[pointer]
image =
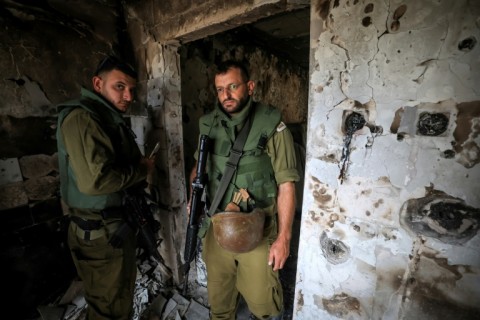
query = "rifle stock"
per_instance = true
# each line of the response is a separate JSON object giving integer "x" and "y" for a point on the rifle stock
{"x": 196, "y": 209}
{"x": 138, "y": 216}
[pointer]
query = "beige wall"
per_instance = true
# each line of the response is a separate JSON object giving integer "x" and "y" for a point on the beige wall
{"x": 391, "y": 232}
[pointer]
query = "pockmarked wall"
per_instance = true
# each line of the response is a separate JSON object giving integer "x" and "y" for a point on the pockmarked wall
{"x": 391, "y": 206}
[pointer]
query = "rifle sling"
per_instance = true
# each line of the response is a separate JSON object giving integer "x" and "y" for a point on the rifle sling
{"x": 235, "y": 155}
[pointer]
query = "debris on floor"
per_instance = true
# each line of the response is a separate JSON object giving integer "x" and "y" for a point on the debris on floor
{"x": 152, "y": 300}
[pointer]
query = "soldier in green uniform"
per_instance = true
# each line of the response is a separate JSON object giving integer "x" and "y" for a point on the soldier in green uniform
{"x": 98, "y": 159}
{"x": 267, "y": 173}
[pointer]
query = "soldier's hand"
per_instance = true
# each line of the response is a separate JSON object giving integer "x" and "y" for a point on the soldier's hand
{"x": 149, "y": 163}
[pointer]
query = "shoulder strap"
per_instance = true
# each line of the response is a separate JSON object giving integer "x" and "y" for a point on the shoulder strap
{"x": 231, "y": 166}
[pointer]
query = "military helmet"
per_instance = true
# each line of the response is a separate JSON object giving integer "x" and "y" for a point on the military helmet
{"x": 239, "y": 232}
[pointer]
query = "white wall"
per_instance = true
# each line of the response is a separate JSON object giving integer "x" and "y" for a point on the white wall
{"x": 372, "y": 244}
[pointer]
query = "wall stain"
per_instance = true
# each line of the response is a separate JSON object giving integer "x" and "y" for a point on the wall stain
{"x": 342, "y": 306}
{"x": 366, "y": 21}
{"x": 397, "y": 14}
{"x": 466, "y": 133}
{"x": 322, "y": 7}
{"x": 313, "y": 216}
{"x": 368, "y": 8}
{"x": 467, "y": 44}
{"x": 431, "y": 288}
{"x": 300, "y": 301}
{"x": 378, "y": 203}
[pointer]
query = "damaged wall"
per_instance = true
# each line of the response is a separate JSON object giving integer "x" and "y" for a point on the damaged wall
{"x": 48, "y": 50}
{"x": 391, "y": 201}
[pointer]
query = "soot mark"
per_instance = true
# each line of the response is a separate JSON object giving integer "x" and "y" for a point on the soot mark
{"x": 368, "y": 8}
{"x": 467, "y": 44}
{"x": 354, "y": 122}
{"x": 397, "y": 14}
{"x": 366, "y": 21}
{"x": 442, "y": 217}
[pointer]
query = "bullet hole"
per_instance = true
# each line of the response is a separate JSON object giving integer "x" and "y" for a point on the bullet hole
{"x": 368, "y": 213}
{"x": 366, "y": 21}
{"x": 19, "y": 82}
{"x": 467, "y": 44}
{"x": 398, "y": 51}
{"x": 442, "y": 217}
{"x": 356, "y": 228}
{"x": 448, "y": 154}
{"x": 432, "y": 124}
{"x": 336, "y": 3}
{"x": 335, "y": 251}
{"x": 354, "y": 121}
{"x": 399, "y": 12}
{"x": 368, "y": 8}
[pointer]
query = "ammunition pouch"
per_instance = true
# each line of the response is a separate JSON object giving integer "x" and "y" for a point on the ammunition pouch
{"x": 239, "y": 232}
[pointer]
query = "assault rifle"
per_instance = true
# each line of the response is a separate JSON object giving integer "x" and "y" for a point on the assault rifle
{"x": 138, "y": 216}
{"x": 196, "y": 208}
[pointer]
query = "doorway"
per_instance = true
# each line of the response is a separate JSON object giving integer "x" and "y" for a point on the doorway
{"x": 276, "y": 51}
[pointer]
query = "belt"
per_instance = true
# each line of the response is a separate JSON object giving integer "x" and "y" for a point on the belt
{"x": 88, "y": 229}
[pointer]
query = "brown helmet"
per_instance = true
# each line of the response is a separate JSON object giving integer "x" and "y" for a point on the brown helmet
{"x": 239, "y": 232}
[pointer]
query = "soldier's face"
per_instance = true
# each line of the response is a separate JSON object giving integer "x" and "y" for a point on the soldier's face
{"x": 117, "y": 87}
{"x": 233, "y": 90}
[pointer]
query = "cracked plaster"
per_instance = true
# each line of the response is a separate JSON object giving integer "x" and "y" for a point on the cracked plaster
{"x": 392, "y": 54}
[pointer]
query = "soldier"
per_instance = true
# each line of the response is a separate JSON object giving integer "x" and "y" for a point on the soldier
{"x": 249, "y": 239}
{"x": 98, "y": 159}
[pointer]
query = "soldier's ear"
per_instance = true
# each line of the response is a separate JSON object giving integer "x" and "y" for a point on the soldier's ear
{"x": 251, "y": 87}
{"x": 97, "y": 83}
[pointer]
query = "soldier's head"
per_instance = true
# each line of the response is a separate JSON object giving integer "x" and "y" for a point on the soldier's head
{"x": 115, "y": 80}
{"x": 233, "y": 86}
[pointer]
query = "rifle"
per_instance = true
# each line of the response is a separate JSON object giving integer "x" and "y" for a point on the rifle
{"x": 196, "y": 210}
{"x": 139, "y": 217}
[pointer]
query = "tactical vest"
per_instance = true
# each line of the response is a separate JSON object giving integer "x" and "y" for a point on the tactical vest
{"x": 254, "y": 171}
{"x": 123, "y": 141}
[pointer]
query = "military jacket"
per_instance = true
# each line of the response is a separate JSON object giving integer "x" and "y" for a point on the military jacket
{"x": 254, "y": 171}
{"x": 98, "y": 155}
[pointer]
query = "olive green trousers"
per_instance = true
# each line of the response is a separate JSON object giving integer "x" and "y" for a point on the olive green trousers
{"x": 108, "y": 274}
{"x": 230, "y": 274}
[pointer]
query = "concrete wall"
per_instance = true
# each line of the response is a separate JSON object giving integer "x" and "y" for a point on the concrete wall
{"x": 48, "y": 51}
{"x": 391, "y": 200}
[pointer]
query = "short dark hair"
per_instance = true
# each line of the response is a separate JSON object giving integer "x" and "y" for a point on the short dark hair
{"x": 224, "y": 66}
{"x": 110, "y": 63}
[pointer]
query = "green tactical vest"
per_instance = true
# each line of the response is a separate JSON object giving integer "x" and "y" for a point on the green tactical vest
{"x": 121, "y": 136}
{"x": 254, "y": 171}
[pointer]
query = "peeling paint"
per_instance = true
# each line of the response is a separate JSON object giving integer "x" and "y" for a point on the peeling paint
{"x": 467, "y": 133}
{"x": 342, "y": 306}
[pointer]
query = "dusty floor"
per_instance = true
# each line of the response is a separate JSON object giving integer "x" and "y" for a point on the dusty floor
{"x": 150, "y": 287}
